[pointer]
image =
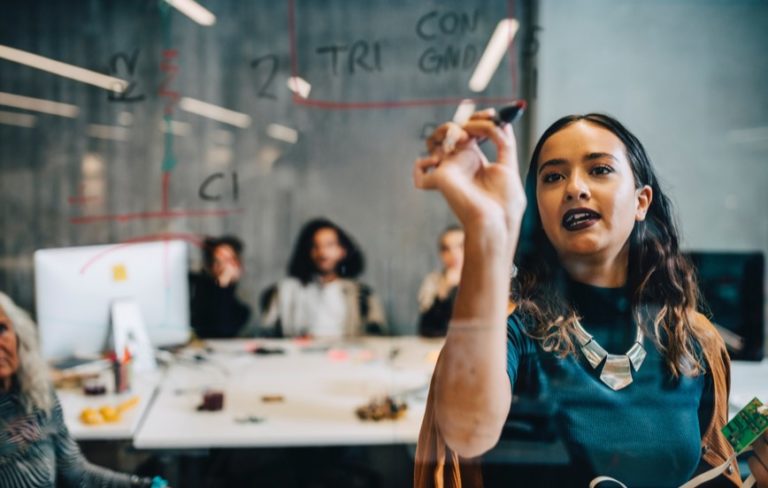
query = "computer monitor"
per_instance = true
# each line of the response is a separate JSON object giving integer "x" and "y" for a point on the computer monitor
{"x": 732, "y": 285}
{"x": 75, "y": 288}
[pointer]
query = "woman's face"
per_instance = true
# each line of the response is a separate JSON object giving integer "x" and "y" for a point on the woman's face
{"x": 586, "y": 193}
{"x": 223, "y": 257}
{"x": 326, "y": 250}
{"x": 452, "y": 249}
{"x": 9, "y": 358}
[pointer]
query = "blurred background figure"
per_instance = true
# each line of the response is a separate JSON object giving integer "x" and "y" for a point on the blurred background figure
{"x": 35, "y": 446}
{"x": 438, "y": 289}
{"x": 321, "y": 296}
{"x": 216, "y": 311}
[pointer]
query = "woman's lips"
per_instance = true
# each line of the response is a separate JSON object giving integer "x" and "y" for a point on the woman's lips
{"x": 579, "y": 218}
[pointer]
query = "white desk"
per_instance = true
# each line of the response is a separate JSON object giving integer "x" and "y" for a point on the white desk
{"x": 74, "y": 401}
{"x": 748, "y": 380}
{"x": 321, "y": 391}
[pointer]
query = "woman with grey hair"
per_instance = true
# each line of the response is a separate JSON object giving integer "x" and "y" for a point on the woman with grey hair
{"x": 35, "y": 446}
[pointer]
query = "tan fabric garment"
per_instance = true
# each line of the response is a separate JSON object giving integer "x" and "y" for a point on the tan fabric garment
{"x": 286, "y": 301}
{"x": 436, "y": 466}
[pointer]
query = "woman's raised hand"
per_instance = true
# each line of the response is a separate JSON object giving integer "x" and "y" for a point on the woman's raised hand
{"x": 480, "y": 193}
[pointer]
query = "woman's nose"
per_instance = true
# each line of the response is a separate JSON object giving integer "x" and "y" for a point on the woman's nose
{"x": 577, "y": 188}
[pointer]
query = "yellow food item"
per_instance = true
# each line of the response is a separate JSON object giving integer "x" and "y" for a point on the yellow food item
{"x": 128, "y": 404}
{"x": 107, "y": 413}
{"x": 91, "y": 416}
{"x": 110, "y": 414}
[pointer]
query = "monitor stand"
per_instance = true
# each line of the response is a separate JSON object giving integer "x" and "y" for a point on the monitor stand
{"x": 130, "y": 332}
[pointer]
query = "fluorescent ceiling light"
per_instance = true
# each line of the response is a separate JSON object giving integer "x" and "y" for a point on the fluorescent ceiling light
{"x": 194, "y": 11}
{"x": 175, "y": 127}
{"x": 111, "y": 132}
{"x": 39, "y": 105}
{"x": 465, "y": 109}
{"x": 282, "y": 133}
{"x": 215, "y": 112}
{"x": 15, "y": 118}
{"x": 63, "y": 69}
{"x": 493, "y": 54}
{"x": 299, "y": 86}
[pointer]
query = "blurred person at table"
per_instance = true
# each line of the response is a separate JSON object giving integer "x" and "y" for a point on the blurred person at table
{"x": 36, "y": 448}
{"x": 216, "y": 310}
{"x": 438, "y": 289}
{"x": 322, "y": 296}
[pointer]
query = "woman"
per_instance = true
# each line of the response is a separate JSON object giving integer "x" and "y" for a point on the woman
{"x": 216, "y": 311}
{"x": 35, "y": 446}
{"x": 599, "y": 274}
{"x": 321, "y": 296}
{"x": 438, "y": 289}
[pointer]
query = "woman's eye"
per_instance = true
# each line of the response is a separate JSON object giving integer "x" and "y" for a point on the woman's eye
{"x": 602, "y": 170}
{"x": 551, "y": 177}
{"x": 3, "y": 327}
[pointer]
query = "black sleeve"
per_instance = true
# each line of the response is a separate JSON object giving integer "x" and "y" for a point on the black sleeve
{"x": 433, "y": 322}
{"x": 370, "y": 311}
{"x": 216, "y": 312}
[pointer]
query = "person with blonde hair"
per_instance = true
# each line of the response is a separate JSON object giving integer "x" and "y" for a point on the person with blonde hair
{"x": 438, "y": 289}
{"x": 36, "y": 449}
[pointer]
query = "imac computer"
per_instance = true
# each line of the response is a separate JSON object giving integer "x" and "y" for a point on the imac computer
{"x": 76, "y": 288}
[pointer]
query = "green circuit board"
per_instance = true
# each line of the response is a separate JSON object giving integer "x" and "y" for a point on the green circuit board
{"x": 747, "y": 425}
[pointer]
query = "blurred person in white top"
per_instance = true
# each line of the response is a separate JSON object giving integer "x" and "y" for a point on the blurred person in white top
{"x": 322, "y": 297}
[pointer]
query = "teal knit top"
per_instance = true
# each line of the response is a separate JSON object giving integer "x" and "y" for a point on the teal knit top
{"x": 645, "y": 435}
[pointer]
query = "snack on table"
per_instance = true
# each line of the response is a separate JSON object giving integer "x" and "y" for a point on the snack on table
{"x": 382, "y": 408}
{"x": 107, "y": 413}
{"x": 128, "y": 404}
{"x": 91, "y": 416}
{"x": 272, "y": 398}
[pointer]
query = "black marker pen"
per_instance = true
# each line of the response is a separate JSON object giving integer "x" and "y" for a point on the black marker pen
{"x": 509, "y": 113}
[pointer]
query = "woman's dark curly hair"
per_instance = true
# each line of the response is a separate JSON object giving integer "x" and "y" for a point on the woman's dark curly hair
{"x": 660, "y": 280}
{"x": 303, "y": 268}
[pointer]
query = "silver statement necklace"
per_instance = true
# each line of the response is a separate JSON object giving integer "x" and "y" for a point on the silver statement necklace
{"x": 617, "y": 371}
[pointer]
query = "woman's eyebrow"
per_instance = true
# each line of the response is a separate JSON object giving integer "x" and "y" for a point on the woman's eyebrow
{"x": 551, "y": 162}
{"x": 600, "y": 155}
{"x": 588, "y": 157}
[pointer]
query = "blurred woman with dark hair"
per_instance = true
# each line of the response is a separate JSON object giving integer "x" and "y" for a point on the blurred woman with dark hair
{"x": 216, "y": 310}
{"x": 321, "y": 295}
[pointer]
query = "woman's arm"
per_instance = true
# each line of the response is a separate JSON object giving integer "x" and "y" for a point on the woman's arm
{"x": 73, "y": 470}
{"x": 758, "y": 463}
{"x": 472, "y": 389}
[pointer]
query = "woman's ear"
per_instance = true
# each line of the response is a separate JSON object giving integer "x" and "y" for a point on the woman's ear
{"x": 644, "y": 196}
